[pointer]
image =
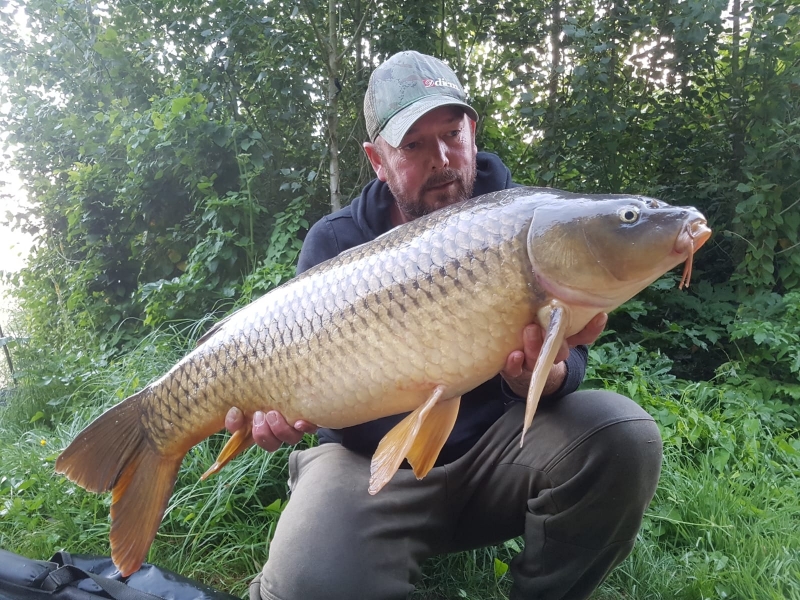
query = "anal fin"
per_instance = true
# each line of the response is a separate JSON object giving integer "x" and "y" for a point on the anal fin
{"x": 418, "y": 437}
{"x": 240, "y": 441}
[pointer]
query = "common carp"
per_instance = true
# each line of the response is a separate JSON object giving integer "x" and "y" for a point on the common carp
{"x": 407, "y": 322}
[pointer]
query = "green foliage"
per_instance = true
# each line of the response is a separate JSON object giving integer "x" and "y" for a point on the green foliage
{"x": 153, "y": 196}
{"x": 161, "y": 162}
{"x": 767, "y": 336}
{"x": 284, "y": 248}
{"x": 709, "y": 332}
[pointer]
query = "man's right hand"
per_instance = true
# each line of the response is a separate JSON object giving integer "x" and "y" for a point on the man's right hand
{"x": 270, "y": 429}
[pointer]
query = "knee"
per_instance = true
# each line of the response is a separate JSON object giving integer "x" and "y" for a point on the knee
{"x": 629, "y": 454}
{"x": 628, "y": 462}
{"x": 610, "y": 477}
{"x": 622, "y": 451}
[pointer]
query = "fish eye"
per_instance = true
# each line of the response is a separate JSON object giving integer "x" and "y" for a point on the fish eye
{"x": 629, "y": 214}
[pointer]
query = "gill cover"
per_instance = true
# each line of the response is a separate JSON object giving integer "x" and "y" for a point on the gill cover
{"x": 604, "y": 246}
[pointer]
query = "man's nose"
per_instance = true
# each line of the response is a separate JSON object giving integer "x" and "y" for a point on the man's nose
{"x": 439, "y": 158}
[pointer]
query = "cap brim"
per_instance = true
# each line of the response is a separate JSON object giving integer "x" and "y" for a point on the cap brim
{"x": 398, "y": 125}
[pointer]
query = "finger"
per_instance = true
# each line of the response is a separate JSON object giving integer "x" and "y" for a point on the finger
{"x": 602, "y": 321}
{"x": 514, "y": 364}
{"x": 305, "y": 426}
{"x": 262, "y": 433}
{"x": 590, "y": 333}
{"x": 596, "y": 326}
{"x": 563, "y": 352}
{"x": 234, "y": 420}
{"x": 281, "y": 429}
{"x": 532, "y": 337}
{"x": 534, "y": 340}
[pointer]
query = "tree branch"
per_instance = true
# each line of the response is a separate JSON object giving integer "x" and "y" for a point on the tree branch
{"x": 357, "y": 32}
{"x": 320, "y": 39}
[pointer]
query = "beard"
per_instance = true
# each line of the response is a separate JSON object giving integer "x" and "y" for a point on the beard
{"x": 416, "y": 206}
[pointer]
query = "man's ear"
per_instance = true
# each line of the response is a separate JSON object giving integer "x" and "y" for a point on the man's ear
{"x": 375, "y": 159}
{"x": 472, "y": 126}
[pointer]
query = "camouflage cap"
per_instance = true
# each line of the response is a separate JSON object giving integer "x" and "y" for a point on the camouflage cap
{"x": 404, "y": 88}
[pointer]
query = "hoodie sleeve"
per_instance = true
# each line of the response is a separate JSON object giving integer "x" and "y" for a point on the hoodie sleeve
{"x": 320, "y": 245}
{"x": 576, "y": 371}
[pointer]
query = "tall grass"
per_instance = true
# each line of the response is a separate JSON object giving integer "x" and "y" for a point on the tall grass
{"x": 725, "y": 521}
{"x": 216, "y": 531}
{"x": 710, "y": 536}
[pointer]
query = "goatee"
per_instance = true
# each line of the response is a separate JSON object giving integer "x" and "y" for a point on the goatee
{"x": 417, "y": 207}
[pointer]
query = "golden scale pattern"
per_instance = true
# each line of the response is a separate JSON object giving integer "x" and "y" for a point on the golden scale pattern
{"x": 398, "y": 307}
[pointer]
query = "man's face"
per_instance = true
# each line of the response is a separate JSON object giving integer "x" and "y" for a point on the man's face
{"x": 433, "y": 167}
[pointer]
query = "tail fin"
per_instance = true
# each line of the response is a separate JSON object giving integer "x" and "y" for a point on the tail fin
{"x": 115, "y": 453}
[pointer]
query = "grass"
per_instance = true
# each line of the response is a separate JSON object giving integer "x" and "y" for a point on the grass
{"x": 709, "y": 536}
{"x": 725, "y": 522}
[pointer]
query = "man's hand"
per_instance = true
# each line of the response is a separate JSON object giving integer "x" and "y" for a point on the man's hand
{"x": 520, "y": 363}
{"x": 270, "y": 430}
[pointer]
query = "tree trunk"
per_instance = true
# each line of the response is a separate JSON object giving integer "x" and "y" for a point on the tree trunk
{"x": 333, "y": 106}
{"x": 737, "y": 92}
{"x": 8, "y": 356}
{"x": 615, "y": 180}
{"x": 555, "y": 65}
{"x": 329, "y": 48}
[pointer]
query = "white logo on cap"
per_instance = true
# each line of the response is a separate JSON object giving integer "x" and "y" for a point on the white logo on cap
{"x": 440, "y": 83}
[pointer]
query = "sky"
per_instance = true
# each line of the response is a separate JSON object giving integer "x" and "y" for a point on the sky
{"x": 14, "y": 245}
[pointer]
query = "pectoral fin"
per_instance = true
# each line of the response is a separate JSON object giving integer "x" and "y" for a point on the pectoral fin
{"x": 554, "y": 318}
{"x": 419, "y": 437}
{"x": 240, "y": 441}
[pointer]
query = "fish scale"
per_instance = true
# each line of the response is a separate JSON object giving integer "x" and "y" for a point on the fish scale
{"x": 362, "y": 326}
{"x": 406, "y": 323}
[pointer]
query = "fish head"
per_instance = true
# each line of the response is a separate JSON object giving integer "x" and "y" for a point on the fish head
{"x": 602, "y": 251}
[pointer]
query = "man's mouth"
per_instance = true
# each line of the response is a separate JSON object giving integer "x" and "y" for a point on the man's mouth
{"x": 439, "y": 185}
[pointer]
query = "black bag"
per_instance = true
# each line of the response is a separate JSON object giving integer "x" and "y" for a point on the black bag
{"x": 82, "y": 577}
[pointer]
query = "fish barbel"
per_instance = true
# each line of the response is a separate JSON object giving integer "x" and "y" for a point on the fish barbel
{"x": 407, "y": 322}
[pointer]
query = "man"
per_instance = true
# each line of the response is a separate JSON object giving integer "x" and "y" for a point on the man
{"x": 576, "y": 491}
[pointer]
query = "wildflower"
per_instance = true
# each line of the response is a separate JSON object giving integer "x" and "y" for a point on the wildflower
{"x": 43, "y": 442}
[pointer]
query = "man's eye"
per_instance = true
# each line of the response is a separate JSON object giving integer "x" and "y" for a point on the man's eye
{"x": 410, "y": 145}
{"x": 455, "y": 133}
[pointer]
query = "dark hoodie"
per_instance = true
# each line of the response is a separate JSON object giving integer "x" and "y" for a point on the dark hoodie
{"x": 364, "y": 219}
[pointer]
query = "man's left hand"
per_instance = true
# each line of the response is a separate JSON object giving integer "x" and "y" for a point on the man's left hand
{"x": 520, "y": 363}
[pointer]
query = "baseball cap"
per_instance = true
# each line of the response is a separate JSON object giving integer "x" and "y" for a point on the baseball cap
{"x": 404, "y": 88}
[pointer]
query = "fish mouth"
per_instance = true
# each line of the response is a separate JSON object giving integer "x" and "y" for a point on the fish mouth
{"x": 691, "y": 238}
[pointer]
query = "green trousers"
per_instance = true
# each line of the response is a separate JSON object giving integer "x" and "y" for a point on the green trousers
{"x": 576, "y": 491}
